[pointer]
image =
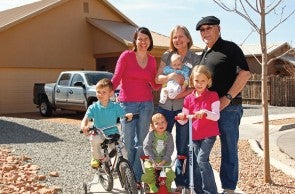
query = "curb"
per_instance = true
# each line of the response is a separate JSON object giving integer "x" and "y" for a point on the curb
{"x": 255, "y": 146}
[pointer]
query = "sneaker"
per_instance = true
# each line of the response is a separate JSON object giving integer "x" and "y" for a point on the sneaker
{"x": 95, "y": 163}
{"x": 138, "y": 185}
{"x": 178, "y": 189}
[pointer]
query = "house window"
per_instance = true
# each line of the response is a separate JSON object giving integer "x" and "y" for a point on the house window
{"x": 86, "y": 7}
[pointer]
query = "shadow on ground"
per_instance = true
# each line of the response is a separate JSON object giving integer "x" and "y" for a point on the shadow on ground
{"x": 14, "y": 133}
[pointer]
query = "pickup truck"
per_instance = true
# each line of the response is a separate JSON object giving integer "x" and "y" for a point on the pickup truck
{"x": 73, "y": 90}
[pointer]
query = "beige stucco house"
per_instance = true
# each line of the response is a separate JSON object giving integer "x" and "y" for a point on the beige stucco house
{"x": 41, "y": 39}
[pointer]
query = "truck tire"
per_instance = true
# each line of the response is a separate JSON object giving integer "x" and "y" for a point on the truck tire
{"x": 45, "y": 108}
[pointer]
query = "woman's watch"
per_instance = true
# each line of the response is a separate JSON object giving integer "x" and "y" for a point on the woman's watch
{"x": 228, "y": 96}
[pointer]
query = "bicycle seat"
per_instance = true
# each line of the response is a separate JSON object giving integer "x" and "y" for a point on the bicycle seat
{"x": 110, "y": 139}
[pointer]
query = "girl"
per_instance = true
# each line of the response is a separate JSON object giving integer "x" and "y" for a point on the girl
{"x": 204, "y": 105}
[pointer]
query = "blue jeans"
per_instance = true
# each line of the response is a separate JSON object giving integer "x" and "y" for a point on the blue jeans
{"x": 182, "y": 138}
{"x": 204, "y": 181}
{"x": 229, "y": 122}
{"x": 135, "y": 131}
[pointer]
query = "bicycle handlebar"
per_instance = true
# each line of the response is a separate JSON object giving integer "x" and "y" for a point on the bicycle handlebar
{"x": 100, "y": 129}
{"x": 134, "y": 116}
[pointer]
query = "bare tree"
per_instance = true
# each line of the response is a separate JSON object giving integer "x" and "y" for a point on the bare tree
{"x": 243, "y": 8}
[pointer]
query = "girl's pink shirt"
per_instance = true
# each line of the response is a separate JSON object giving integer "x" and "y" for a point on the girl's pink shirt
{"x": 136, "y": 82}
{"x": 203, "y": 128}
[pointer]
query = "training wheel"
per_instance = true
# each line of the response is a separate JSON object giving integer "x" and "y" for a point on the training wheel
{"x": 85, "y": 187}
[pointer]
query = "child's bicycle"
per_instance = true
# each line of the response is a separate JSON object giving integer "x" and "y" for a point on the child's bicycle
{"x": 160, "y": 175}
{"x": 114, "y": 164}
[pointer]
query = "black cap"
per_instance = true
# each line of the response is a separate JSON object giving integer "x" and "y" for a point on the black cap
{"x": 209, "y": 20}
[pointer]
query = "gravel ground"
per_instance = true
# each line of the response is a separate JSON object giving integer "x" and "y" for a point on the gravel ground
{"x": 53, "y": 146}
{"x": 59, "y": 147}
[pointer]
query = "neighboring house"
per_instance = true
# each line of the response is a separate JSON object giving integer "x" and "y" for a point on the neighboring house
{"x": 280, "y": 75}
{"x": 276, "y": 67}
{"x": 41, "y": 39}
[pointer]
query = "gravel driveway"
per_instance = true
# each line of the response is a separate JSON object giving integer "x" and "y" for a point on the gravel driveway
{"x": 53, "y": 146}
{"x": 59, "y": 147}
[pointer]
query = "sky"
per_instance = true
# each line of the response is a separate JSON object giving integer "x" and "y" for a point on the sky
{"x": 161, "y": 16}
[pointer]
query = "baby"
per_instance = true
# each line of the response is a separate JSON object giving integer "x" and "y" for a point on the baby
{"x": 173, "y": 88}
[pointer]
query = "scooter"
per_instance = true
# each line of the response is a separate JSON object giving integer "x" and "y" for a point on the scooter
{"x": 191, "y": 152}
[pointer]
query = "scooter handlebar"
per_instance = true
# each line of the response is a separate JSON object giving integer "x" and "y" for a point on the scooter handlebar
{"x": 185, "y": 117}
{"x": 178, "y": 118}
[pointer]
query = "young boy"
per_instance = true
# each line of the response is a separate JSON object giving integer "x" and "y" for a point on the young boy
{"x": 159, "y": 146}
{"x": 173, "y": 88}
{"x": 104, "y": 114}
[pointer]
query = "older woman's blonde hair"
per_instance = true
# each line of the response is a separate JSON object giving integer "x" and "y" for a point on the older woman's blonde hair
{"x": 200, "y": 69}
{"x": 187, "y": 34}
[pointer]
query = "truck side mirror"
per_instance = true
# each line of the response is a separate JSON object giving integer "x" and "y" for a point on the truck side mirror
{"x": 79, "y": 84}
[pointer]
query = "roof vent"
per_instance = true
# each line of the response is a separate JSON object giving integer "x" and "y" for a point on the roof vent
{"x": 86, "y": 7}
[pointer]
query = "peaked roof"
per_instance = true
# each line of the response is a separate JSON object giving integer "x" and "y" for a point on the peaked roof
{"x": 11, "y": 17}
{"x": 255, "y": 49}
{"x": 123, "y": 32}
{"x": 289, "y": 59}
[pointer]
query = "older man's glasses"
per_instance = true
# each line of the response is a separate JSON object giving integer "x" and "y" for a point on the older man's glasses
{"x": 209, "y": 28}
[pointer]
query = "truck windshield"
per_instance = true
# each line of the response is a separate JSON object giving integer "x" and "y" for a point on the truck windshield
{"x": 93, "y": 78}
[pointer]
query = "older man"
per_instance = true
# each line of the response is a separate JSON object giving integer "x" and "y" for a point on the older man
{"x": 230, "y": 74}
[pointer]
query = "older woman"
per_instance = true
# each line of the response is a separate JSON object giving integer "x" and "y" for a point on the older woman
{"x": 180, "y": 43}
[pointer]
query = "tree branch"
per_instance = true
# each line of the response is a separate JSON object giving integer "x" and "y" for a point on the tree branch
{"x": 272, "y": 8}
{"x": 281, "y": 21}
{"x": 291, "y": 50}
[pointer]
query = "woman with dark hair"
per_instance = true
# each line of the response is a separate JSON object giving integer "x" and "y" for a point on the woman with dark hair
{"x": 135, "y": 72}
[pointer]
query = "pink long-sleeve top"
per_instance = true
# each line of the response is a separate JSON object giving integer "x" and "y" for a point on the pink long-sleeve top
{"x": 208, "y": 125}
{"x": 136, "y": 82}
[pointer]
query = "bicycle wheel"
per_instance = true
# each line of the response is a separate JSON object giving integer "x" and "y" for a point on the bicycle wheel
{"x": 128, "y": 179}
{"x": 105, "y": 177}
{"x": 85, "y": 188}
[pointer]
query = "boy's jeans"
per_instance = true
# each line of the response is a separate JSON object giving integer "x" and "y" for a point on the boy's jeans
{"x": 135, "y": 131}
{"x": 229, "y": 122}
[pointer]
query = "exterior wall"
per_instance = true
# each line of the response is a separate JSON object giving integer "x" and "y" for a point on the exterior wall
{"x": 254, "y": 66}
{"x": 38, "y": 49}
{"x": 17, "y": 87}
{"x": 103, "y": 43}
{"x": 58, "y": 38}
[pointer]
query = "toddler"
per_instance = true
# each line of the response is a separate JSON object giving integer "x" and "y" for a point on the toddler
{"x": 159, "y": 146}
